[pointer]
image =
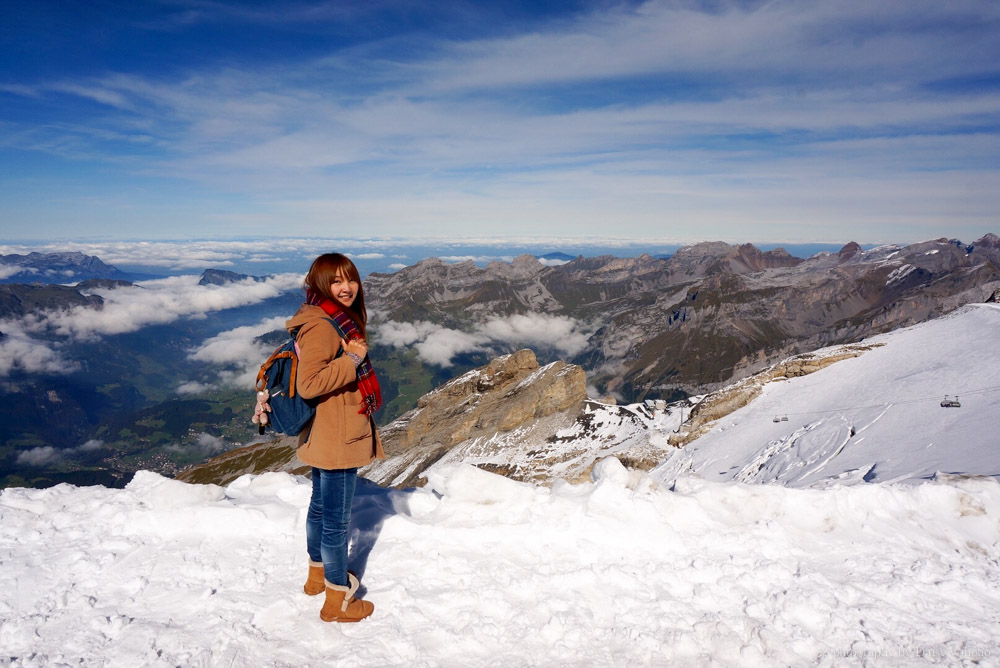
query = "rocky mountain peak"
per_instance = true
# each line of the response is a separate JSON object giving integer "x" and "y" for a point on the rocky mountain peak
{"x": 702, "y": 249}
{"x": 221, "y": 277}
{"x": 988, "y": 240}
{"x": 526, "y": 261}
{"x": 748, "y": 258}
{"x": 849, "y": 250}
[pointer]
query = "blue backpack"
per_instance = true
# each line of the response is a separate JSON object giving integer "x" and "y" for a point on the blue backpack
{"x": 288, "y": 412}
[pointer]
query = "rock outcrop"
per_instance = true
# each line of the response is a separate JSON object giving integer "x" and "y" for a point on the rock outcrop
{"x": 528, "y": 422}
{"x": 511, "y": 392}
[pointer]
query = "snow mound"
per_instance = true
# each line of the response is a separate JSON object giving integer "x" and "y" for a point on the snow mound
{"x": 479, "y": 570}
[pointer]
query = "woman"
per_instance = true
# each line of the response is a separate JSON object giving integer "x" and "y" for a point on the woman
{"x": 334, "y": 370}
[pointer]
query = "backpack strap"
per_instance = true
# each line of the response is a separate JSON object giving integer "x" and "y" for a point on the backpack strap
{"x": 261, "y": 383}
{"x": 276, "y": 355}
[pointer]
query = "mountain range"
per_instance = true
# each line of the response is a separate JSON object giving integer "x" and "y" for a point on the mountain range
{"x": 62, "y": 268}
{"x": 710, "y": 314}
{"x": 91, "y": 400}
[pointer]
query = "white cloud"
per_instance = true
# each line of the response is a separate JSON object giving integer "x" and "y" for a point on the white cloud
{"x": 210, "y": 444}
{"x": 237, "y": 354}
{"x": 46, "y": 454}
{"x": 236, "y": 346}
{"x": 205, "y": 444}
{"x": 399, "y": 334}
{"x": 439, "y": 345}
{"x": 396, "y": 266}
{"x": 192, "y": 387}
{"x": 39, "y": 456}
{"x": 434, "y": 344}
{"x": 20, "y": 351}
{"x": 8, "y": 270}
{"x": 128, "y": 309}
{"x": 551, "y": 262}
{"x": 565, "y": 334}
{"x": 369, "y": 256}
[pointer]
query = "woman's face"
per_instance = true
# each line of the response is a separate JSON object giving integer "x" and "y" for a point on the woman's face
{"x": 344, "y": 290}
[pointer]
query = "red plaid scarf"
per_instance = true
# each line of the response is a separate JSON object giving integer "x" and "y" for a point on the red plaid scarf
{"x": 367, "y": 381}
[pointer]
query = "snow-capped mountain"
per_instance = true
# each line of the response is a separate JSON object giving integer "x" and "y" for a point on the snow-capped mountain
{"x": 876, "y": 417}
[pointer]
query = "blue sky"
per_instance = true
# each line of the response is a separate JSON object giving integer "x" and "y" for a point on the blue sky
{"x": 676, "y": 120}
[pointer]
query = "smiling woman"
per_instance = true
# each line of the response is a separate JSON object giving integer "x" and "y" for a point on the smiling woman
{"x": 334, "y": 371}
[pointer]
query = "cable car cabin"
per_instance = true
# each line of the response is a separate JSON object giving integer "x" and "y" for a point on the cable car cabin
{"x": 949, "y": 402}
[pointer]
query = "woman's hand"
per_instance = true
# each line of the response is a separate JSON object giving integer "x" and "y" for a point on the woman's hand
{"x": 357, "y": 346}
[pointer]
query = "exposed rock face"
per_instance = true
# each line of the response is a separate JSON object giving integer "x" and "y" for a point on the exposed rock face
{"x": 528, "y": 423}
{"x": 274, "y": 455}
{"x": 18, "y": 300}
{"x": 707, "y": 316}
{"x": 511, "y": 391}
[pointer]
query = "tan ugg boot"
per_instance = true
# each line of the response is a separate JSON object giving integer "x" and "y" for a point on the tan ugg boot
{"x": 316, "y": 583}
{"x": 340, "y": 604}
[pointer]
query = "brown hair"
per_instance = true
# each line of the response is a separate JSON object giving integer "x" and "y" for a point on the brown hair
{"x": 321, "y": 275}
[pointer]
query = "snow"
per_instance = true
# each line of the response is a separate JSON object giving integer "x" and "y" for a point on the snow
{"x": 874, "y": 548}
{"x": 479, "y": 570}
{"x": 872, "y": 418}
{"x": 899, "y": 273}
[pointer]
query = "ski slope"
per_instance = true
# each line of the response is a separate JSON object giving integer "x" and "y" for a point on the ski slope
{"x": 872, "y": 418}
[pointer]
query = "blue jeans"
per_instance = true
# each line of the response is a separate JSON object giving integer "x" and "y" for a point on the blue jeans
{"x": 328, "y": 519}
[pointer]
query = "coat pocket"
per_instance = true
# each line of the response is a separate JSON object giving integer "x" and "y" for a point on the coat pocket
{"x": 357, "y": 426}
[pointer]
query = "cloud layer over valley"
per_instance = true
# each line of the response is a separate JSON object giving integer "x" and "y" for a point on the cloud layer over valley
{"x": 35, "y": 342}
{"x": 438, "y": 345}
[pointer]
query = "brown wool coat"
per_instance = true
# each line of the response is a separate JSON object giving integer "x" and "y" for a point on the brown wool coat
{"x": 338, "y": 437}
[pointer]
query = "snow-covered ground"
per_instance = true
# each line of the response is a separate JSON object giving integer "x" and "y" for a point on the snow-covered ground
{"x": 695, "y": 563}
{"x": 479, "y": 570}
{"x": 872, "y": 418}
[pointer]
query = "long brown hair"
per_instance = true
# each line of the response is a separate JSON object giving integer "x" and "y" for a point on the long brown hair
{"x": 321, "y": 275}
